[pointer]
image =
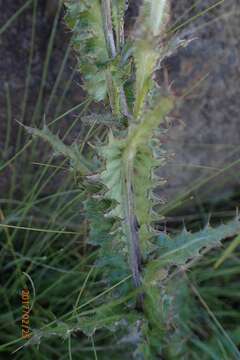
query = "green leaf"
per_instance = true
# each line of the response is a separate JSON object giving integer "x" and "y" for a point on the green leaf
{"x": 85, "y": 20}
{"x": 188, "y": 246}
{"x": 148, "y": 49}
{"x": 118, "y": 11}
{"x": 77, "y": 162}
{"x": 135, "y": 152}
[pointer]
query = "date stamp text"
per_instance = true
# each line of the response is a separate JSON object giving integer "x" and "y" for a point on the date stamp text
{"x": 26, "y": 334}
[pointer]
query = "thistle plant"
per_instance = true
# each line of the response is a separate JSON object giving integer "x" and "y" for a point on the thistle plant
{"x": 119, "y": 176}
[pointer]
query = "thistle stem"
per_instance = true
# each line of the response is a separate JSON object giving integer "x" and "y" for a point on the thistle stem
{"x": 131, "y": 226}
{"x": 110, "y": 42}
{"x": 108, "y": 28}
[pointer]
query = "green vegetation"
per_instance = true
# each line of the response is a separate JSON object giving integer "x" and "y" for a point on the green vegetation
{"x": 104, "y": 282}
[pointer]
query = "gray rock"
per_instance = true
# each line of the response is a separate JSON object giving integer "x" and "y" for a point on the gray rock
{"x": 207, "y": 138}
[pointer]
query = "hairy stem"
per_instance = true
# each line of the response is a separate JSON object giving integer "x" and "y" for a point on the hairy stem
{"x": 110, "y": 42}
{"x": 108, "y": 28}
{"x": 131, "y": 224}
{"x": 136, "y": 138}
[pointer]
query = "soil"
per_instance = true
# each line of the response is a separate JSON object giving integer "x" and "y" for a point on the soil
{"x": 205, "y": 130}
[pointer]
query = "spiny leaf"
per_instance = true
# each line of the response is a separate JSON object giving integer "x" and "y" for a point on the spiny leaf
{"x": 145, "y": 57}
{"x": 159, "y": 16}
{"x": 77, "y": 161}
{"x": 104, "y": 73}
{"x": 134, "y": 148}
{"x": 88, "y": 325}
{"x": 85, "y": 19}
{"x": 147, "y": 51}
{"x": 118, "y": 10}
{"x": 168, "y": 310}
{"x": 113, "y": 175}
{"x": 103, "y": 233}
{"x": 187, "y": 246}
{"x": 128, "y": 179}
{"x": 153, "y": 19}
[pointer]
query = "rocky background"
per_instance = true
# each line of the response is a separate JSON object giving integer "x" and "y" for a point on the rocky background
{"x": 208, "y": 137}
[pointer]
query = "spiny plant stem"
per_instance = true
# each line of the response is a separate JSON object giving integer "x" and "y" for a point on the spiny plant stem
{"x": 117, "y": 182}
{"x": 131, "y": 224}
{"x": 110, "y": 42}
{"x": 130, "y": 218}
{"x": 108, "y": 29}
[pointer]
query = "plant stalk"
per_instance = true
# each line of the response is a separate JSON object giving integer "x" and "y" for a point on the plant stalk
{"x": 131, "y": 225}
{"x": 111, "y": 47}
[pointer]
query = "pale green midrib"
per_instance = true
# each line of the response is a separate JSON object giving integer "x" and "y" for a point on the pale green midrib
{"x": 157, "y": 15}
{"x": 143, "y": 131}
{"x": 137, "y": 137}
{"x": 130, "y": 231}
